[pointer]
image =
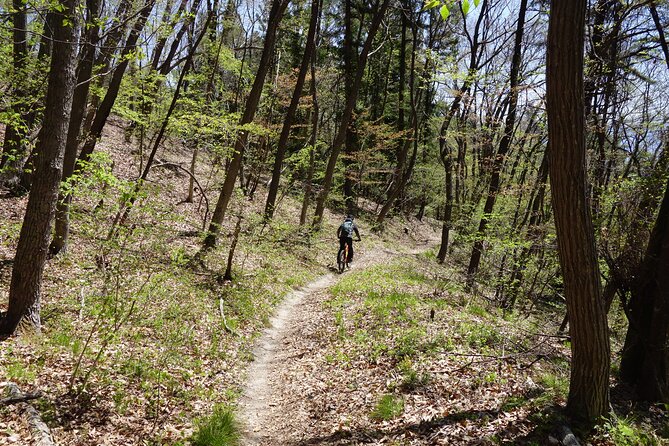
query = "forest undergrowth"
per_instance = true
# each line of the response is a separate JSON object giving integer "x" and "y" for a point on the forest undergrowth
{"x": 143, "y": 339}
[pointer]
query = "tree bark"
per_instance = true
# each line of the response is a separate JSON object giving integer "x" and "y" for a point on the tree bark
{"x": 31, "y": 252}
{"x": 645, "y": 358}
{"x": 589, "y": 382}
{"x": 85, "y": 69}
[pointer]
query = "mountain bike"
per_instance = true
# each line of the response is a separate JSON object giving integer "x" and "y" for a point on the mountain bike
{"x": 342, "y": 258}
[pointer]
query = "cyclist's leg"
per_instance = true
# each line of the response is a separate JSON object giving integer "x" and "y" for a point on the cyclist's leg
{"x": 350, "y": 249}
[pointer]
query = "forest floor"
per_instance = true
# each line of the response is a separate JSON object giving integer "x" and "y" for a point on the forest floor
{"x": 142, "y": 345}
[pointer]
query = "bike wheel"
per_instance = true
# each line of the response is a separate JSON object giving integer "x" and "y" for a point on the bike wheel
{"x": 341, "y": 261}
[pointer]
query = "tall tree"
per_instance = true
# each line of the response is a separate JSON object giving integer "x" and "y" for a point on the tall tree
{"x": 31, "y": 252}
{"x": 84, "y": 71}
{"x": 445, "y": 152}
{"x": 14, "y": 147}
{"x": 309, "y": 51}
{"x": 275, "y": 15}
{"x": 103, "y": 111}
{"x": 645, "y": 358}
{"x": 589, "y": 383}
{"x": 351, "y": 99}
{"x": 504, "y": 145}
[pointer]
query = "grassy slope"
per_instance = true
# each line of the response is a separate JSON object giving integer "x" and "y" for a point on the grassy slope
{"x": 426, "y": 363}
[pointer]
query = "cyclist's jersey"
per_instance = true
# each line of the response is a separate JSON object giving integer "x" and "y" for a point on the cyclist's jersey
{"x": 347, "y": 229}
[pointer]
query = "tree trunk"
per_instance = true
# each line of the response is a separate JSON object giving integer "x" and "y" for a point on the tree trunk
{"x": 589, "y": 383}
{"x": 107, "y": 103}
{"x": 233, "y": 245}
{"x": 276, "y": 13}
{"x": 85, "y": 69}
{"x": 126, "y": 205}
{"x": 103, "y": 60}
{"x": 444, "y": 149}
{"x": 315, "y": 114}
{"x": 31, "y": 252}
{"x": 351, "y": 143}
{"x": 402, "y": 172}
{"x": 504, "y": 145}
{"x": 351, "y": 100}
{"x": 14, "y": 147}
{"x": 292, "y": 108}
{"x": 645, "y": 358}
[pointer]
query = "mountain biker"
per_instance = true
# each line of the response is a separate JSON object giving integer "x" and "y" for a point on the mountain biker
{"x": 345, "y": 234}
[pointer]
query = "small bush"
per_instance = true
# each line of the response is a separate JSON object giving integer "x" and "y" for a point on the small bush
{"x": 220, "y": 429}
{"x": 388, "y": 407}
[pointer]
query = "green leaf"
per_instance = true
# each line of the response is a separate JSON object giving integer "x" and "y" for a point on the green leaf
{"x": 476, "y": 3}
{"x": 429, "y": 4}
{"x": 444, "y": 12}
{"x": 465, "y": 6}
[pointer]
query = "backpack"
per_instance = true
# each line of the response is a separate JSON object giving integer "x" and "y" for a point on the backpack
{"x": 347, "y": 229}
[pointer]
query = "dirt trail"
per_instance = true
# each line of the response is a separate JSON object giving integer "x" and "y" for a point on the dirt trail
{"x": 276, "y": 407}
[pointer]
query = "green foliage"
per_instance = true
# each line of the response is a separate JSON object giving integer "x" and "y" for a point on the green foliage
{"x": 478, "y": 335}
{"x": 626, "y": 432}
{"x": 220, "y": 429}
{"x": 444, "y": 6}
{"x": 389, "y": 407}
{"x": 411, "y": 378}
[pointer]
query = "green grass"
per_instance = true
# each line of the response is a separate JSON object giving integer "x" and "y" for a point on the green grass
{"x": 478, "y": 334}
{"x": 626, "y": 432}
{"x": 412, "y": 379}
{"x": 220, "y": 429}
{"x": 388, "y": 407}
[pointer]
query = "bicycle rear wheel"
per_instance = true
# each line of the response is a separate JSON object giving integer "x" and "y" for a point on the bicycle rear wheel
{"x": 341, "y": 261}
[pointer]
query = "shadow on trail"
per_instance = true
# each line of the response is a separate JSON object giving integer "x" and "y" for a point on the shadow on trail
{"x": 424, "y": 430}
{"x": 545, "y": 422}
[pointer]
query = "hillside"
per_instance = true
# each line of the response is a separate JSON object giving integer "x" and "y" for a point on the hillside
{"x": 143, "y": 342}
{"x": 177, "y": 177}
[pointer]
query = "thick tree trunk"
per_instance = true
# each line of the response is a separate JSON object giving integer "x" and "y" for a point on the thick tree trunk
{"x": 276, "y": 13}
{"x": 348, "y": 112}
{"x": 589, "y": 383}
{"x": 645, "y": 359}
{"x": 292, "y": 108}
{"x": 31, "y": 252}
{"x": 85, "y": 69}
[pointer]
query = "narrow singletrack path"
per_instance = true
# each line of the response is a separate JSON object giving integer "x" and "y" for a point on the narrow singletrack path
{"x": 278, "y": 406}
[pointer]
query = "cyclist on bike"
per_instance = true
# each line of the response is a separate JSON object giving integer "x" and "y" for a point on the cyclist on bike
{"x": 345, "y": 234}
